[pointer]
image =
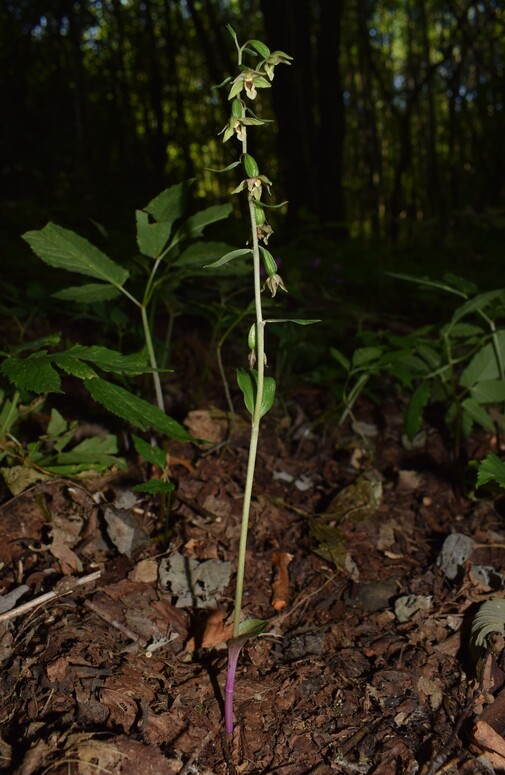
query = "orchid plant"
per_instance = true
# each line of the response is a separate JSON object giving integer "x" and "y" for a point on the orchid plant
{"x": 258, "y": 389}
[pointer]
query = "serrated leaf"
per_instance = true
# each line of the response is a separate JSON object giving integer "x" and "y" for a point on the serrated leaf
{"x": 91, "y": 293}
{"x": 155, "y": 487}
{"x": 95, "y": 451}
{"x": 228, "y": 257}
{"x": 64, "y": 249}
{"x": 151, "y": 237}
{"x": 73, "y": 366}
{"x": 491, "y": 469}
{"x": 489, "y": 391}
{"x": 484, "y": 365}
{"x": 46, "y": 341}
{"x": 154, "y": 455}
{"x": 108, "y": 360}
{"x": 171, "y": 204}
{"x": 138, "y": 412}
{"x": 476, "y": 413}
{"x": 34, "y": 373}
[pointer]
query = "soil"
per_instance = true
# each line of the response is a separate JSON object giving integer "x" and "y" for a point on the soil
{"x": 114, "y": 613}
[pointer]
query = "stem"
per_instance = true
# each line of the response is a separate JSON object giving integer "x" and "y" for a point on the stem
{"x": 255, "y": 427}
{"x": 152, "y": 359}
{"x": 233, "y": 655}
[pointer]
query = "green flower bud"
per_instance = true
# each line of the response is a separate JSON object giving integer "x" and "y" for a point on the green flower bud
{"x": 268, "y": 262}
{"x": 259, "y": 214}
{"x": 251, "y": 339}
{"x": 236, "y": 109}
{"x": 250, "y": 166}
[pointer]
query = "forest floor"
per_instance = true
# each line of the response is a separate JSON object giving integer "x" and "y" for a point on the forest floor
{"x": 364, "y": 667}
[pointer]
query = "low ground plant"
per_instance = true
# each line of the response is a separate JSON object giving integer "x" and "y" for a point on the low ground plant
{"x": 458, "y": 365}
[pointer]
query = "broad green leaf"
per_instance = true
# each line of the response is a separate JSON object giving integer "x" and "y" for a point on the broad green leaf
{"x": 414, "y": 413}
{"x": 88, "y": 294}
{"x": 195, "y": 225}
{"x": 46, "y": 341}
{"x": 491, "y": 469}
{"x": 479, "y": 415}
{"x": 484, "y": 365}
{"x": 154, "y": 455}
{"x": 64, "y": 249}
{"x": 489, "y": 391}
{"x": 108, "y": 360}
{"x": 171, "y": 204}
{"x": 34, "y": 373}
{"x": 155, "y": 487}
{"x": 137, "y": 411}
{"x": 151, "y": 237}
{"x": 73, "y": 366}
{"x": 365, "y": 355}
{"x": 260, "y": 47}
{"x": 464, "y": 330}
{"x": 250, "y": 628}
{"x": 95, "y": 450}
{"x": 248, "y": 382}
{"x": 228, "y": 257}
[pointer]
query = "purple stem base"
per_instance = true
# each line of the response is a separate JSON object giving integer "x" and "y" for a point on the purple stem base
{"x": 234, "y": 647}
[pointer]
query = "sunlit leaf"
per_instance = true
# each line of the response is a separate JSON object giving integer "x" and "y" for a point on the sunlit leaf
{"x": 64, "y": 249}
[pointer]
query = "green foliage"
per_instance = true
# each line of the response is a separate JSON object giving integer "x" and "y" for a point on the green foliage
{"x": 491, "y": 469}
{"x": 55, "y": 452}
{"x": 459, "y": 364}
{"x": 161, "y": 232}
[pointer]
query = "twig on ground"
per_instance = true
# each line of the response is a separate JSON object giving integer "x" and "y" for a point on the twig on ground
{"x": 71, "y": 586}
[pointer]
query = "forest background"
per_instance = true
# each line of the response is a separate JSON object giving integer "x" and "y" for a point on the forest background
{"x": 389, "y": 126}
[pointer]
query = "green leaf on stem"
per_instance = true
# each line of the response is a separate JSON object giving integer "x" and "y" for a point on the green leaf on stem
{"x": 91, "y": 293}
{"x": 247, "y": 380}
{"x": 225, "y": 169}
{"x": 135, "y": 410}
{"x": 475, "y": 412}
{"x": 64, "y": 249}
{"x": 155, "y": 487}
{"x": 491, "y": 469}
{"x": 153, "y": 455}
{"x": 229, "y": 257}
{"x": 171, "y": 204}
{"x": 414, "y": 413}
{"x": 151, "y": 237}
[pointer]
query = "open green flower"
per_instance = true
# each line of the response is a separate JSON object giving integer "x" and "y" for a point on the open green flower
{"x": 275, "y": 58}
{"x": 250, "y": 80}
